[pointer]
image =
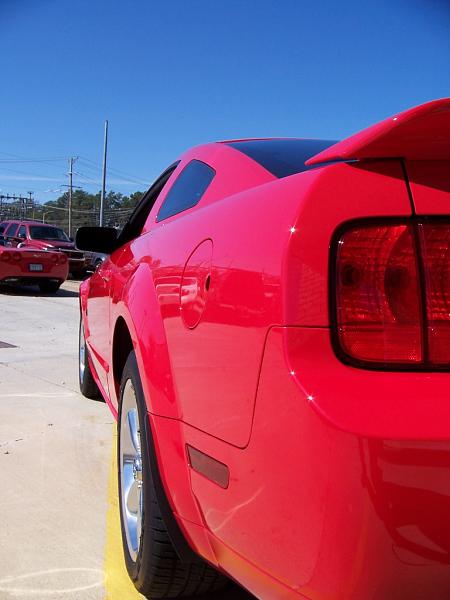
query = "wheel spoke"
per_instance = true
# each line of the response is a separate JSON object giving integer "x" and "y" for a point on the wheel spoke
{"x": 133, "y": 499}
{"x": 133, "y": 427}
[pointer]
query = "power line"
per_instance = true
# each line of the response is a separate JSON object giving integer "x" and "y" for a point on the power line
{"x": 27, "y": 173}
{"x": 30, "y": 160}
{"x": 130, "y": 178}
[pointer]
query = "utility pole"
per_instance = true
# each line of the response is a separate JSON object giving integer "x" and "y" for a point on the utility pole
{"x": 71, "y": 161}
{"x": 31, "y": 205}
{"x": 102, "y": 197}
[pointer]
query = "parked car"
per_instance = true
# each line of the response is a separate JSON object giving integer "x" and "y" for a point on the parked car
{"x": 272, "y": 333}
{"x": 35, "y": 234}
{"x": 93, "y": 260}
{"x": 46, "y": 269}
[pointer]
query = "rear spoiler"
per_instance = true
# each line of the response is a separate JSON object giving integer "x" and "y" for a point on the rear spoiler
{"x": 420, "y": 133}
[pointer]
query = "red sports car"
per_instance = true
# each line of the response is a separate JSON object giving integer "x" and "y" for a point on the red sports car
{"x": 34, "y": 234}
{"x": 46, "y": 269}
{"x": 272, "y": 333}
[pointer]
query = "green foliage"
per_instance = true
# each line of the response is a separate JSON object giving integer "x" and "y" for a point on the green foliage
{"x": 86, "y": 209}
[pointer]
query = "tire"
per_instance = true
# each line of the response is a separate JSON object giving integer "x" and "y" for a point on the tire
{"x": 151, "y": 560}
{"x": 49, "y": 287}
{"x": 88, "y": 387}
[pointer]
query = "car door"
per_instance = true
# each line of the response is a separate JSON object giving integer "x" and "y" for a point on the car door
{"x": 111, "y": 276}
{"x": 98, "y": 314}
{"x": 107, "y": 282}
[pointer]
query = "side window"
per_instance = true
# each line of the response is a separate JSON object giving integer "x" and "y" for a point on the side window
{"x": 187, "y": 189}
{"x": 12, "y": 230}
{"x": 133, "y": 227}
{"x": 22, "y": 233}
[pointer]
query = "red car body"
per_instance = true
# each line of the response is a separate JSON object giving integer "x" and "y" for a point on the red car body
{"x": 43, "y": 268}
{"x": 322, "y": 472}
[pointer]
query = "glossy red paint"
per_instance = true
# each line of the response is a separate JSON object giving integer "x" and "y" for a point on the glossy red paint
{"x": 420, "y": 133}
{"x": 17, "y": 265}
{"x": 339, "y": 477}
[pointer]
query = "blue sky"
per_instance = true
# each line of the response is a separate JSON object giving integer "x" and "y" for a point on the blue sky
{"x": 170, "y": 75}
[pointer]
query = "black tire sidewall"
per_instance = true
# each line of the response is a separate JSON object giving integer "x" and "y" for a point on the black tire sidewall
{"x": 88, "y": 386}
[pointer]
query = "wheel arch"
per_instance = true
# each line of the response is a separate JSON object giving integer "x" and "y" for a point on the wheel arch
{"x": 138, "y": 326}
{"x": 122, "y": 345}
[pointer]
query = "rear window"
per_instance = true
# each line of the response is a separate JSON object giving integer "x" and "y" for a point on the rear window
{"x": 38, "y": 232}
{"x": 282, "y": 157}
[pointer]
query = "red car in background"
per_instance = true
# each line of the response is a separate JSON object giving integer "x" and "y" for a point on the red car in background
{"x": 46, "y": 269}
{"x": 272, "y": 333}
{"x": 34, "y": 234}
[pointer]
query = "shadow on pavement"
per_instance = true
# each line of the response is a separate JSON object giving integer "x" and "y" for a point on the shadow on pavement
{"x": 33, "y": 292}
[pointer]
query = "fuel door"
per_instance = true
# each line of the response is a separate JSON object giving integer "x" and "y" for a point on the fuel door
{"x": 195, "y": 284}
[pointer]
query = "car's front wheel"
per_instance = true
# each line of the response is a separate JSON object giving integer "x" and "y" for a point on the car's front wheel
{"x": 150, "y": 557}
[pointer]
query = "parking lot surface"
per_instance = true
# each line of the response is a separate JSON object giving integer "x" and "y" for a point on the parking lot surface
{"x": 55, "y": 458}
{"x": 59, "y": 534}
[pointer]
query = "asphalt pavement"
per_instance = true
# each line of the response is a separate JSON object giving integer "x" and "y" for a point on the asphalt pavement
{"x": 59, "y": 533}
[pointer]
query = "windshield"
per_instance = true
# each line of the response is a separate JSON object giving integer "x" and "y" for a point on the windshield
{"x": 48, "y": 233}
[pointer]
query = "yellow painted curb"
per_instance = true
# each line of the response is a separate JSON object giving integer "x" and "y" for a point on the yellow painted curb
{"x": 118, "y": 585}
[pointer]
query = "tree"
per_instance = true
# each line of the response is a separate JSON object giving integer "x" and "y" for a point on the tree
{"x": 86, "y": 209}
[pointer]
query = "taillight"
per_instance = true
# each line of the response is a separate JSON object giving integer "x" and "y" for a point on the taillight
{"x": 435, "y": 240}
{"x": 6, "y": 256}
{"x": 391, "y": 297}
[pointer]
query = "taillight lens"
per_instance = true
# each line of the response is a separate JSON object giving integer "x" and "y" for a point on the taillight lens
{"x": 378, "y": 308}
{"x": 435, "y": 241}
{"x": 392, "y": 294}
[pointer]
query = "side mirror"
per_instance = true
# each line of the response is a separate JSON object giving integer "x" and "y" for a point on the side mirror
{"x": 96, "y": 239}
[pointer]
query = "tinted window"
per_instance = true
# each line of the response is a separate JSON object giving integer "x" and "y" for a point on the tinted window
{"x": 22, "y": 233}
{"x": 12, "y": 230}
{"x": 187, "y": 190}
{"x": 40, "y": 232}
{"x": 282, "y": 157}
